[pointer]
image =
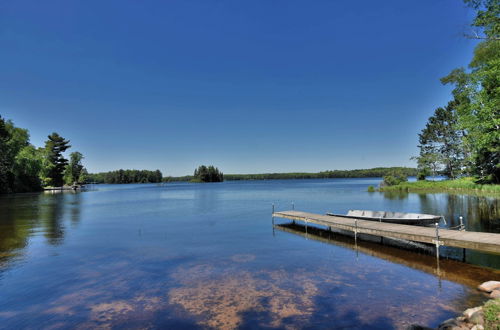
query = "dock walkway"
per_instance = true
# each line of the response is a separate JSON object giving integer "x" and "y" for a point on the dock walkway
{"x": 488, "y": 242}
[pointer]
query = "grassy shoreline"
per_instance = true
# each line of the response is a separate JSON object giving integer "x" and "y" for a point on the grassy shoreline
{"x": 462, "y": 185}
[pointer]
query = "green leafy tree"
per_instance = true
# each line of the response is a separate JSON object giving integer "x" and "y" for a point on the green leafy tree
{"x": 428, "y": 164}
{"x": 14, "y": 156}
{"x": 24, "y": 159}
{"x": 74, "y": 169}
{"x": 27, "y": 168}
{"x": 441, "y": 142}
{"x": 83, "y": 176}
{"x": 394, "y": 178}
{"x": 55, "y": 162}
{"x": 477, "y": 93}
{"x": 5, "y": 162}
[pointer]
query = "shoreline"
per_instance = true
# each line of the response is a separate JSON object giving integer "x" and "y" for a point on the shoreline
{"x": 486, "y": 316}
{"x": 457, "y": 186}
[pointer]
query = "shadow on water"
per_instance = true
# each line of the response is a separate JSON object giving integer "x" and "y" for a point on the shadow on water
{"x": 444, "y": 269}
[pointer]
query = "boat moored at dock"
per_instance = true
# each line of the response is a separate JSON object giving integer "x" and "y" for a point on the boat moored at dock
{"x": 392, "y": 217}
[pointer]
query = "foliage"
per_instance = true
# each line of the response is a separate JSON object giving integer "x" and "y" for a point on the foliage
{"x": 74, "y": 170}
{"x": 207, "y": 174}
{"x": 27, "y": 167}
{"x": 427, "y": 164}
{"x": 441, "y": 143}
{"x": 20, "y": 162}
{"x": 24, "y": 168}
{"x": 377, "y": 172}
{"x": 371, "y": 189}
{"x": 476, "y": 100}
{"x": 462, "y": 185}
{"x": 491, "y": 312}
{"x": 423, "y": 174}
{"x": 56, "y": 163}
{"x": 125, "y": 176}
{"x": 5, "y": 161}
{"x": 394, "y": 178}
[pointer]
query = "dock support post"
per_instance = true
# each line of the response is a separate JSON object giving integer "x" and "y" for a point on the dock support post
{"x": 462, "y": 226}
{"x": 273, "y": 216}
{"x": 437, "y": 240}
{"x": 355, "y": 230}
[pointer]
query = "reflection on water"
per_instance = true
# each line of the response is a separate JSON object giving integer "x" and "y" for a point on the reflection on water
{"x": 447, "y": 269}
{"x": 480, "y": 213}
{"x": 26, "y": 214}
{"x": 203, "y": 256}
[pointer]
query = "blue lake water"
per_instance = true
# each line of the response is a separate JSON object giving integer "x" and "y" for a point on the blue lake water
{"x": 206, "y": 256}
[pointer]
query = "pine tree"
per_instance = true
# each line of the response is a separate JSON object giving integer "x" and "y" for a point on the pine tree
{"x": 56, "y": 163}
{"x": 441, "y": 141}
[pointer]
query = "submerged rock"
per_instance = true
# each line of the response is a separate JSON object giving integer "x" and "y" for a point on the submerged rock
{"x": 489, "y": 286}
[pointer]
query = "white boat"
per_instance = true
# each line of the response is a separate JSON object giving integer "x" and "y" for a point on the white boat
{"x": 391, "y": 217}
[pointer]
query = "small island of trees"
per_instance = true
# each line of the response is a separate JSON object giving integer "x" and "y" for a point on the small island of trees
{"x": 207, "y": 174}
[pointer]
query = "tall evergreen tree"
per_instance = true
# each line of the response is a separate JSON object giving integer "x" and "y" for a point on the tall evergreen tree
{"x": 56, "y": 163}
{"x": 441, "y": 140}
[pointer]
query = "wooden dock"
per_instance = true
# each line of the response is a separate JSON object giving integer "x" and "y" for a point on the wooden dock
{"x": 487, "y": 242}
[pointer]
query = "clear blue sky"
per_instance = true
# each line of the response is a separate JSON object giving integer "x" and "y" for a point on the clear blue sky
{"x": 249, "y": 86}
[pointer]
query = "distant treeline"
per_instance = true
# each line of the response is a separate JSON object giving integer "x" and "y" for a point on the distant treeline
{"x": 377, "y": 172}
{"x": 126, "y": 176}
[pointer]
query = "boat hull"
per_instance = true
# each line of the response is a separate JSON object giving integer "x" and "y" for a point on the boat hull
{"x": 425, "y": 220}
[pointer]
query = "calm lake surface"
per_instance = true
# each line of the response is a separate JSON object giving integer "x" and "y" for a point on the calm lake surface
{"x": 206, "y": 256}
